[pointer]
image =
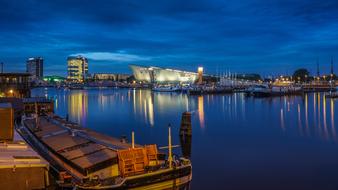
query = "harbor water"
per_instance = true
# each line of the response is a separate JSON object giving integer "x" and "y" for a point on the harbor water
{"x": 238, "y": 142}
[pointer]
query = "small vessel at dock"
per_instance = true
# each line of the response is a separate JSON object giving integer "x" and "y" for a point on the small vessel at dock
{"x": 199, "y": 90}
{"x": 332, "y": 94}
{"x": 89, "y": 160}
{"x": 265, "y": 90}
{"x": 166, "y": 89}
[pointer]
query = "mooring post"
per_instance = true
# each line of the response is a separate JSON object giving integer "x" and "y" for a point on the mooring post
{"x": 186, "y": 134}
{"x": 132, "y": 139}
{"x": 185, "y": 128}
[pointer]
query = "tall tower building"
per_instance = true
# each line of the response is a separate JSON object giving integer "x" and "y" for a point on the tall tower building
{"x": 200, "y": 75}
{"x": 34, "y": 66}
{"x": 77, "y": 68}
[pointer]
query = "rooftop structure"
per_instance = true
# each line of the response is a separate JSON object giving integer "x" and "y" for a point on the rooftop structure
{"x": 21, "y": 167}
{"x": 14, "y": 85}
{"x": 38, "y": 104}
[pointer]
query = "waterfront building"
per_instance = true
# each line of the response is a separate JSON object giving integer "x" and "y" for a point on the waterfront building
{"x": 122, "y": 77}
{"x": 110, "y": 76}
{"x": 162, "y": 75}
{"x": 14, "y": 85}
{"x": 54, "y": 79}
{"x": 39, "y": 105}
{"x": 77, "y": 68}
{"x": 34, "y": 67}
{"x": 104, "y": 76}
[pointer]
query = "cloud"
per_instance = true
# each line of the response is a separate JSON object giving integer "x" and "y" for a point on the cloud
{"x": 249, "y": 36}
{"x": 120, "y": 56}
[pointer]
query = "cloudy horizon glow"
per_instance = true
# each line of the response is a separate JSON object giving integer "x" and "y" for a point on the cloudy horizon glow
{"x": 265, "y": 37}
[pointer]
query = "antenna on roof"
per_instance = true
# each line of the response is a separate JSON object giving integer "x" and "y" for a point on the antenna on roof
{"x": 317, "y": 68}
{"x": 331, "y": 65}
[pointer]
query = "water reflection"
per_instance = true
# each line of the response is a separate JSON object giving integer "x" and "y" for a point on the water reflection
{"x": 146, "y": 107}
{"x": 201, "y": 110}
{"x": 332, "y": 119}
{"x": 307, "y": 114}
{"x": 292, "y": 135}
{"x": 299, "y": 120}
{"x": 78, "y": 106}
{"x": 317, "y": 115}
{"x": 326, "y": 134}
{"x": 282, "y": 119}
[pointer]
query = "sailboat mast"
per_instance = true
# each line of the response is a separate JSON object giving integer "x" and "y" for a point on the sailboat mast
{"x": 170, "y": 158}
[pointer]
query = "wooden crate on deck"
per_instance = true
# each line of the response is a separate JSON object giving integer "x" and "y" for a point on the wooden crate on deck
{"x": 132, "y": 161}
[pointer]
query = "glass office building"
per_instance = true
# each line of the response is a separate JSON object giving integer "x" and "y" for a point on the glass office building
{"x": 77, "y": 68}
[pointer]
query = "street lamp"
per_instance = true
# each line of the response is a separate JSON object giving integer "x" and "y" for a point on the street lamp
{"x": 11, "y": 92}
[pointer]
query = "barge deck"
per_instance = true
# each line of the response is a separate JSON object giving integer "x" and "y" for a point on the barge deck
{"x": 97, "y": 161}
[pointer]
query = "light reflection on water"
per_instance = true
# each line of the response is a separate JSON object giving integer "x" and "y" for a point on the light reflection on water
{"x": 144, "y": 101}
{"x": 244, "y": 142}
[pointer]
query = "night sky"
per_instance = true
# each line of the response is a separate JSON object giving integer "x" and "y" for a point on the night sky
{"x": 266, "y": 37}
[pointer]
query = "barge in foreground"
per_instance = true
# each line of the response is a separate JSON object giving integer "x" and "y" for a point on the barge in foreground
{"x": 88, "y": 160}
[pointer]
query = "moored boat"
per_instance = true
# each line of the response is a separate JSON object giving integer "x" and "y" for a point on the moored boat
{"x": 199, "y": 90}
{"x": 166, "y": 89}
{"x": 94, "y": 161}
{"x": 331, "y": 94}
{"x": 265, "y": 90}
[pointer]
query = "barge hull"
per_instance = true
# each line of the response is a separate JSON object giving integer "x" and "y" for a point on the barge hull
{"x": 162, "y": 179}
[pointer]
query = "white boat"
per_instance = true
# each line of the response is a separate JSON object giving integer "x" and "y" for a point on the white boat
{"x": 260, "y": 90}
{"x": 166, "y": 89}
{"x": 265, "y": 90}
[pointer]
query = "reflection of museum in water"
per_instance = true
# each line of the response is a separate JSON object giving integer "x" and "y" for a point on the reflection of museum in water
{"x": 143, "y": 103}
{"x": 312, "y": 115}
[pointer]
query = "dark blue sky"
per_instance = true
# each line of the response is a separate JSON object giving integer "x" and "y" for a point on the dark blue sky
{"x": 243, "y": 36}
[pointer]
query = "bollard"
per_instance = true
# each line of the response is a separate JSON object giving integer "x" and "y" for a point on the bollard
{"x": 185, "y": 128}
{"x": 186, "y": 134}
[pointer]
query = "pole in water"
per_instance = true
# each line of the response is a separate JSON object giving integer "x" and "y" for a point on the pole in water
{"x": 185, "y": 128}
{"x": 170, "y": 158}
{"x": 132, "y": 140}
{"x": 186, "y": 134}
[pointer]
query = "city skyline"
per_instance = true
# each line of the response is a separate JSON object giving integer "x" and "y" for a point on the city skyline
{"x": 245, "y": 37}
